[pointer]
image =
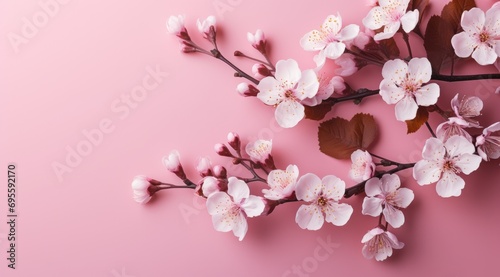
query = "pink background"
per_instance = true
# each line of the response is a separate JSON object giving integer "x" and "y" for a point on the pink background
{"x": 70, "y": 76}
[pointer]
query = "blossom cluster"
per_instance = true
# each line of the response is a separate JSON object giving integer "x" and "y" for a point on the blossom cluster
{"x": 456, "y": 147}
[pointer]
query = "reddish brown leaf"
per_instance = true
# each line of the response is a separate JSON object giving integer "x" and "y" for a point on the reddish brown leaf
{"x": 415, "y": 124}
{"x": 421, "y": 6}
{"x": 389, "y": 48}
{"x": 437, "y": 42}
{"x": 318, "y": 112}
{"x": 338, "y": 138}
{"x": 452, "y": 13}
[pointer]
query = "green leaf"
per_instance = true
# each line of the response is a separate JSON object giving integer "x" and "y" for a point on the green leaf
{"x": 415, "y": 124}
{"x": 338, "y": 137}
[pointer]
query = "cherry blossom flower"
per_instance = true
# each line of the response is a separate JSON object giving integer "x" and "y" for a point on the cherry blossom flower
{"x": 230, "y": 210}
{"x": 362, "y": 167}
{"x": 286, "y": 90}
{"x": 443, "y": 161}
{"x": 379, "y": 244}
{"x": 481, "y": 35}
{"x": 391, "y": 14}
{"x": 329, "y": 40}
{"x": 468, "y": 108}
{"x": 385, "y": 196}
{"x": 173, "y": 164}
{"x": 205, "y": 27}
{"x": 488, "y": 144}
{"x": 259, "y": 150}
{"x": 140, "y": 187}
{"x": 403, "y": 86}
{"x": 282, "y": 183}
{"x": 258, "y": 40}
{"x": 454, "y": 126}
{"x": 323, "y": 196}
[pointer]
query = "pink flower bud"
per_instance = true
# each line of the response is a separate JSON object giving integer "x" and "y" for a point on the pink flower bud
{"x": 234, "y": 141}
{"x": 222, "y": 150}
{"x": 175, "y": 26}
{"x": 173, "y": 164}
{"x": 207, "y": 28}
{"x": 338, "y": 84}
{"x": 258, "y": 41}
{"x": 220, "y": 172}
{"x": 204, "y": 167}
{"x": 246, "y": 90}
{"x": 260, "y": 71}
{"x": 210, "y": 186}
{"x": 141, "y": 188}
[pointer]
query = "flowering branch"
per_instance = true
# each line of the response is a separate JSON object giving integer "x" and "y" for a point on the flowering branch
{"x": 460, "y": 78}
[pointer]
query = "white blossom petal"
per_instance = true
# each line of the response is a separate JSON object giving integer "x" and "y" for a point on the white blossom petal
{"x": 308, "y": 187}
{"x": 338, "y": 214}
{"x": 309, "y": 217}
{"x": 426, "y": 172}
{"x": 406, "y": 109}
{"x": 409, "y": 20}
{"x": 372, "y": 206}
{"x": 450, "y": 185}
{"x": 393, "y": 216}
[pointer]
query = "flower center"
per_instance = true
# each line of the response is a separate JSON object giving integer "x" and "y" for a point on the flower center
{"x": 290, "y": 95}
{"x": 322, "y": 201}
{"x": 449, "y": 165}
{"x": 484, "y": 37}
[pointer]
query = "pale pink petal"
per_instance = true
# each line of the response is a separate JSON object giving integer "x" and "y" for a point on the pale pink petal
{"x": 433, "y": 150}
{"x": 309, "y": 217}
{"x": 420, "y": 69}
{"x": 253, "y": 206}
{"x": 308, "y": 187}
{"x": 402, "y": 198}
{"x": 389, "y": 183}
{"x": 393, "y": 216}
{"x": 395, "y": 244}
{"x": 471, "y": 107}
{"x": 451, "y": 128}
{"x": 332, "y": 24}
{"x": 395, "y": 71}
{"x": 406, "y": 109}
{"x": 349, "y": 32}
{"x": 210, "y": 185}
{"x": 468, "y": 163}
{"x": 473, "y": 20}
{"x": 463, "y": 44}
{"x": 484, "y": 55}
{"x": 320, "y": 59}
{"x": 373, "y": 187}
{"x": 240, "y": 227}
{"x": 287, "y": 72}
{"x": 409, "y": 20}
{"x": 372, "y": 206}
{"x": 333, "y": 187}
{"x": 307, "y": 86}
{"x": 450, "y": 185}
{"x": 371, "y": 234}
{"x": 390, "y": 92}
{"x": 218, "y": 206}
{"x": 338, "y": 214}
{"x": 269, "y": 91}
{"x": 289, "y": 113}
{"x": 238, "y": 189}
{"x": 312, "y": 41}
{"x": 427, "y": 95}
{"x": 426, "y": 172}
{"x": 389, "y": 31}
{"x": 458, "y": 145}
{"x": 334, "y": 49}
{"x": 346, "y": 65}
{"x": 375, "y": 18}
